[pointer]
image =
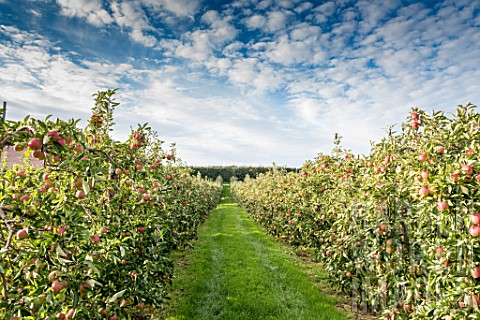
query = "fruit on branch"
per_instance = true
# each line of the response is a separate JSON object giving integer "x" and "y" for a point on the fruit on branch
{"x": 35, "y": 144}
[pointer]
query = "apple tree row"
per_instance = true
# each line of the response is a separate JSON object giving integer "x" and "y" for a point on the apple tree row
{"x": 398, "y": 230}
{"x": 88, "y": 235}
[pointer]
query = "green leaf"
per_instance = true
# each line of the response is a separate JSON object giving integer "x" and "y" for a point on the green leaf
{"x": 85, "y": 186}
{"x": 60, "y": 252}
{"x": 464, "y": 189}
{"x": 117, "y": 295}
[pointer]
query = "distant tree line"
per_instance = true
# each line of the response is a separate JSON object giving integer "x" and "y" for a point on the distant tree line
{"x": 239, "y": 172}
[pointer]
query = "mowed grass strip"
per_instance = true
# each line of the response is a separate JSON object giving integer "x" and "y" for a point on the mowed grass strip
{"x": 237, "y": 272}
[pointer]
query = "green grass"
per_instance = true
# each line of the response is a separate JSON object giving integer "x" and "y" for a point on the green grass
{"x": 237, "y": 272}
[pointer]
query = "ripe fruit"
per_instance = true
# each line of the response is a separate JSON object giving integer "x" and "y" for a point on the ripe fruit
{"x": 469, "y": 152}
{"x": 118, "y": 171}
{"x": 475, "y": 218}
{"x": 61, "y": 231}
{"x": 35, "y": 144}
{"x": 467, "y": 169}
{"x": 21, "y": 173}
{"x": 95, "y": 239}
{"x": 440, "y": 149}
{"x": 38, "y": 154}
{"x": 455, "y": 177}
{"x": 60, "y": 315}
{"x": 476, "y": 272}
{"x": 25, "y": 197}
{"x": 424, "y": 174}
{"x": 474, "y": 231}
{"x": 146, "y": 197}
{"x": 424, "y": 191}
{"x": 62, "y": 142}
{"x": 442, "y": 205}
{"x": 422, "y": 157}
{"x": 80, "y": 194}
{"x": 58, "y": 285}
{"x": 415, "y": 116}
{"x": 19, "y": 148}
{"x": 141, "y": 229}
{"x": 70, "y": 314}
{"x": 22, "y": 234}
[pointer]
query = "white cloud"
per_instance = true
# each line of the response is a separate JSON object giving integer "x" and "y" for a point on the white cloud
{"x": 255, "y": 22}
{"x": 304, "y": 6}
{"x": 90, "y": 9}
{"x": 184, "y": 8}
{"x": 201, "y": 44}
{"x": 132, "y": 16}
{"x": 276, "y": 21}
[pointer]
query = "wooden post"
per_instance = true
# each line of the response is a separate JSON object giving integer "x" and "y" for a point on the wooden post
{"x": 4, "y": 111}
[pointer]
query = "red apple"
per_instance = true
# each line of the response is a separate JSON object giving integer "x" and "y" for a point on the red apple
{"x": 467, "y": 169}
{"x": 475, "y": 218}
{"x": 19, "y": 148}
{"x": 476, "y": 272}
{"x": 21, "y": 173}
{"x": 60, "y": 315}
{"x": 35, "y": 143}
{"x": 62, "y": 142}
{"x": 141, "y": 229}
{"x": 474, "y": 230}
{"x": 118, "y": 171}
{"x": 146, "y": 197}
{"x": 455, "y": 177}
{"x": 95, "y": 239}
{"x": 54, "y": 134}
{"x": 469, "y": 152}
{"x": 422, "y": 157}
{"x": 70, "y": 314}
{"x": 80, "y": 194}
{"x": 22, "y": 234}
{"x": 424, "y": 191}
{"x": 415, "y": 116}
{"x": 61, "y": 231}
{"x": 424, "y": 174}
{"x": 442, "y": 205}
{"x": 48, "y": 183}
{"x": 58, "y": 285}
{"x": 38, "y": 154}
{"x": 440, "y": 149}
{"x": 25, "y": 197}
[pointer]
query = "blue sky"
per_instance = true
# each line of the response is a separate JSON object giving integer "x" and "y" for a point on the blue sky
{"x": 246, "y": 82}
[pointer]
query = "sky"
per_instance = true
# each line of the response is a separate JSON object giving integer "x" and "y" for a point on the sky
{"x": 243, "y": 82}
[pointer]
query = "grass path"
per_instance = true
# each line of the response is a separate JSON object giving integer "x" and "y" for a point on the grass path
{"x": 237, "y": 272}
